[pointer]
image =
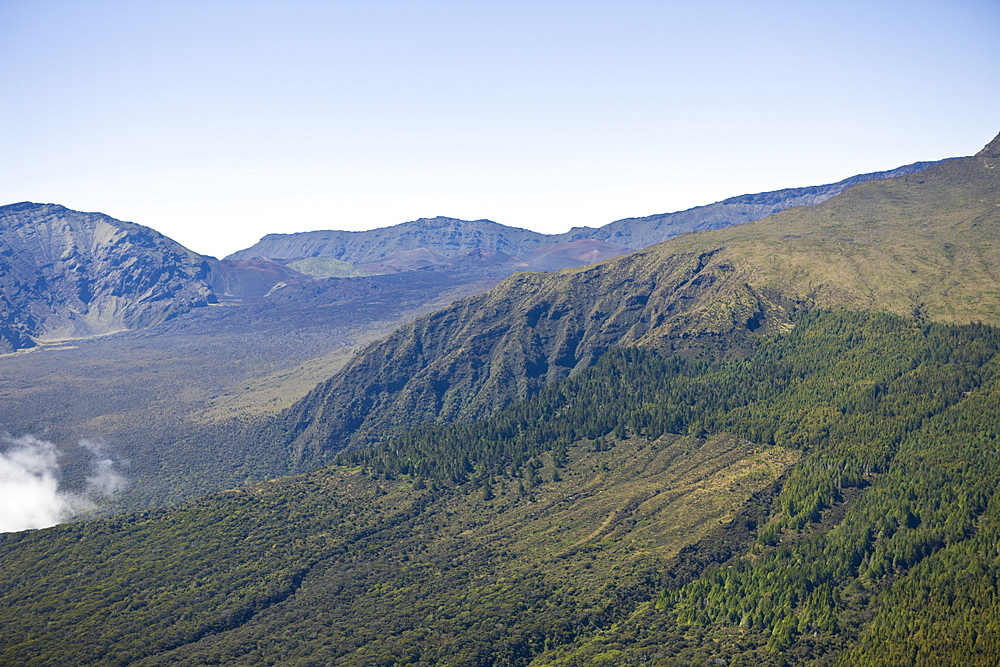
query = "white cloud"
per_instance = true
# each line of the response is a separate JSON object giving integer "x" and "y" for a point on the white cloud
{"x": 29, "y": 483}
{"x": 103, "y": 480}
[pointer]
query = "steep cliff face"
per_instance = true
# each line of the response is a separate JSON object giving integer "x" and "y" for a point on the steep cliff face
{"x": 65, "y": 274}
{"x": 483, "y": 352}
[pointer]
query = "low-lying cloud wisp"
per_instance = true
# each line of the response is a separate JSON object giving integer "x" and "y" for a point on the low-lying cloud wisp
{"x": 29, "y": 483}
{"x": 103, "y": 480}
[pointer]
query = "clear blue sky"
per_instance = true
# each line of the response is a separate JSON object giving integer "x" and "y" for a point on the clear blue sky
{"x": 218, "y": 121}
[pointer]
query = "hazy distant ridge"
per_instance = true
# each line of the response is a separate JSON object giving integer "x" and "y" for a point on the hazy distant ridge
{"x": 450, "y": 236}
{"x": 66, "y": 273}
{"x": 646, "y": 231}
{"x": 71, "y": 274}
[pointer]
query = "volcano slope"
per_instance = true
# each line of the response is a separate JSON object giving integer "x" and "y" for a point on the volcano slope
{"x": 451, "y": 238}
{"x": 775, "y": 444}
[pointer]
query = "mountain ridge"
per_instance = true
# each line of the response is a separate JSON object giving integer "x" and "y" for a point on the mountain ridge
{"x": 451, "y": 236}
{"x": 70, "y": 274}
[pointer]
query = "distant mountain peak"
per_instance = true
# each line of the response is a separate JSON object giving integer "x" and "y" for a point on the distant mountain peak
{"x": 71, "y": 274}
{"x": 67, "y": 274}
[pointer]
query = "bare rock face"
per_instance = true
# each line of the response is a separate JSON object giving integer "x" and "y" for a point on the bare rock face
{"x": 67, "y": 274}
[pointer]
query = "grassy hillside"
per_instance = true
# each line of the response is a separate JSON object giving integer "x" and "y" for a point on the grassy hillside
{"x": 927, "y": 243}
{"x": 649, "y": 230}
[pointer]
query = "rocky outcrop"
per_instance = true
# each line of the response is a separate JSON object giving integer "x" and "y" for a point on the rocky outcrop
{"x": 991, "y": 149}
{"x": 67, "y": 274}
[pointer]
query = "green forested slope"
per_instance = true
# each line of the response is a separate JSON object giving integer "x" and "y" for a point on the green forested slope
{"x": 481, "y": 353}
{"x": 912, "y": 547}
{"x": 577, "y": 527}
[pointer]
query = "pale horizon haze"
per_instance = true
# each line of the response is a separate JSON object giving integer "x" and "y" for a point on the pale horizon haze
{"x": 216, "y": 122}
